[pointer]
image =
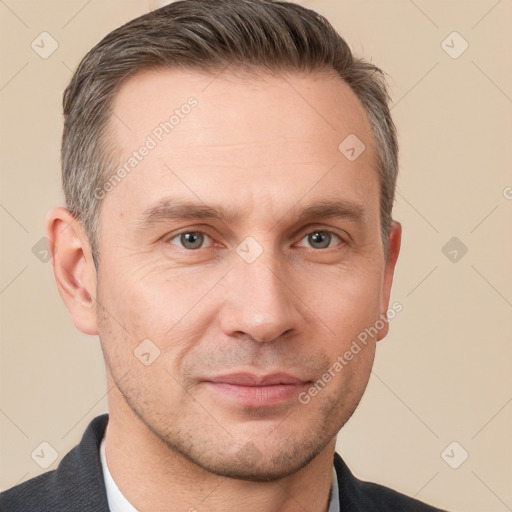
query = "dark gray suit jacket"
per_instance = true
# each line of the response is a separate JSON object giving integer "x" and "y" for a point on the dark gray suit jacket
{"x": 77, "y": 485}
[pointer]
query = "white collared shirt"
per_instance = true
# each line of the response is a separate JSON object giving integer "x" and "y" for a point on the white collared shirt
{"x": 117, "y": 501}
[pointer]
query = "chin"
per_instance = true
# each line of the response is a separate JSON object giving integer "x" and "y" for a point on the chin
{"x": 265, "y": 469}
{"x": 253, "y": 461}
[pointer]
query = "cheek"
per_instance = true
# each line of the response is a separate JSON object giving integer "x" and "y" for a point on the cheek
{"x": 346, "y": 299}
{"x": 146, "y": 296}
{"x": 154, "y": 310}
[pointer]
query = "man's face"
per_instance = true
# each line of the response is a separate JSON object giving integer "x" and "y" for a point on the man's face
{"x": 248, "y": 309}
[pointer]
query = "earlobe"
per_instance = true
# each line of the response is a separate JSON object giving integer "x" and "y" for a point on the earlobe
{"x": 394, "y": 241}
{"x": 73, "y": 268}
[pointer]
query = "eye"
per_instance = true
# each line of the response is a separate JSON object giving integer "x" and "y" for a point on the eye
{"x": 320, "y": 239}
{"x": 189, "y": 239}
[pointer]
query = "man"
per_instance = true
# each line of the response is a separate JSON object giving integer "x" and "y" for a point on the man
{"x": 229, "y": 170}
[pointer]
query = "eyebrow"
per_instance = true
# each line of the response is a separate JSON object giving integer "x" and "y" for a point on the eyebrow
{"x": 328, "y": 209}
{"x": 180, "y": 209}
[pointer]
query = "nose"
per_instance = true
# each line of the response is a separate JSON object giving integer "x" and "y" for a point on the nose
{"x": 261, "y": 302}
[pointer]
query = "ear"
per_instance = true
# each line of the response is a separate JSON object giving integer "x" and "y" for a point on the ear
{"x": 73, "y": 267}
{"x": 394, "y": 240}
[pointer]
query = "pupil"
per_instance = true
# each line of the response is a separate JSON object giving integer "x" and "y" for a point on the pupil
{"x": 320, "y": 239}
{"x": 191, "y": 240}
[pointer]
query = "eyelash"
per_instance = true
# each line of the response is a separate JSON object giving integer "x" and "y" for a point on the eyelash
{"x": 326, "y": 231}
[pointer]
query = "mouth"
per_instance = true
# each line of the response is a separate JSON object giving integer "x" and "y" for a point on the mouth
{"x": 250, "y": 390}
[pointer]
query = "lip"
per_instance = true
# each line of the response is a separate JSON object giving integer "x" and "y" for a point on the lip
{"x": 250, "y": 390}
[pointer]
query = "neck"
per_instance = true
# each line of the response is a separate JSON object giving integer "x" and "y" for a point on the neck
{"x": 154, "y": 477}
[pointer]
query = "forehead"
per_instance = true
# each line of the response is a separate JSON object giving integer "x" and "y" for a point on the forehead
{"x": 318, "y": 103}
{"x": 266, "y": 136}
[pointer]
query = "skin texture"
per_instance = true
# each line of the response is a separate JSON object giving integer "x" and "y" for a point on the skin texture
{"x": 262, "y": 147}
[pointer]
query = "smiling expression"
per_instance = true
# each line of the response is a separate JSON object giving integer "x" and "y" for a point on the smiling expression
{"x": 247, "y": 249}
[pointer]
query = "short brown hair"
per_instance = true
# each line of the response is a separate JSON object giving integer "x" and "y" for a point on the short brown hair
{"x": 208, "y": 35}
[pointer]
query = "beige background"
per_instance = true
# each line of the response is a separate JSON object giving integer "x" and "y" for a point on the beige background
{"x": 444, "y": 372}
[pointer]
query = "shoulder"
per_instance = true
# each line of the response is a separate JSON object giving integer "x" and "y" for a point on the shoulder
{"x": 35, "y": 494}
{"x": 77, "y": 483}
{"x": 371, "y": 497}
